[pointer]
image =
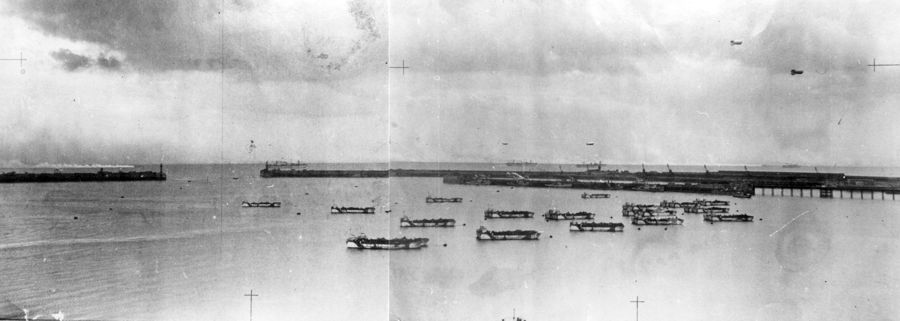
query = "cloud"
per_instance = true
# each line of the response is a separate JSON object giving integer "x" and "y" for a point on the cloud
{"x": 108, "y": 63}
{"x": 823, "y": 36}
{"x": 71, "y": 61}
{"x": 262, "y": 40}
{"x": 529, "y": 37}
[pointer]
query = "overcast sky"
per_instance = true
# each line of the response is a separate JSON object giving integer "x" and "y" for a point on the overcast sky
{"x": 646, "y": 81}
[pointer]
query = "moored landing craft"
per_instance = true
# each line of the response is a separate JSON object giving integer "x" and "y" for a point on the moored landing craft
{"x": 657, "y": 220}
{"x": 632, "y": 209}
{"x": 483, "y": 234}
{"x": 429, "y": 199}
{"x": 352, "y": 210}
{"x": 727, "y": 218}
{"x": 557, "y": 216}
{"x": 492, "y": 213}
{"x": 436, "y": 222}
{"x": 596, "y": 227}
{"x": 598, "y": 195}
{"x": 260, "y": 204}
{"x": 705, "y": 210}
{"x": 402, "y": 243}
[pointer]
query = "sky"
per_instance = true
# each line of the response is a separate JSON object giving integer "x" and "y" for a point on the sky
{"x": 646, "y": 81}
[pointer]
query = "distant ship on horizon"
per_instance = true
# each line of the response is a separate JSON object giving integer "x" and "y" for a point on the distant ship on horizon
{"x": 790, "y": 165}
{"x": 588, "y": 165}
{"x": 521, "y": 163}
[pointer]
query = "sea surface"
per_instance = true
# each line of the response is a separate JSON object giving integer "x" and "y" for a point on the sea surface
{"x": 184, "y": 249}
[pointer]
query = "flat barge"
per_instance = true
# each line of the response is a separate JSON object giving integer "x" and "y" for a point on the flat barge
{"x": 555, "y": 215}
{"x": 483, "y": 234}
{"x": 596, "y": 227}
{"x": 492, "y": 213}
{"x": 352, "y": 210}
{"x": 706, "y": 210}
{"x": 260, "y": 204}
{"x": 666, "y": 217}
{"x": 429, "y": 199}
{"x": 594, "y": 195}
{"x": 727, "y": 218}
{"x": 403, "y": 243}
{"x": 427, "y": 222}
{"x": 100, "y": 176}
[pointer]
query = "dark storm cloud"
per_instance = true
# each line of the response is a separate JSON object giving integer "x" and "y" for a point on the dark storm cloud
{"x": 71, "y": 61}
{"x": 187, "y": 35}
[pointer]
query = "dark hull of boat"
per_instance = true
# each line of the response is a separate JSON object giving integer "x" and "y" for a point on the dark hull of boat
{"x": 443, "y": 200}
{"x": 352, "y": 210}
{"x": 387, "y": 244}
{"x": 728, "y": 218}
{"x": 568, "y": 216}
{"x": 508, "y": 236}
{"x": 657, "y": 221}
{"x": 428, "y": 223}
{"x": 596, "y": 227}
{"x": 508, "y": 214}
{"x": 261, "y": 204}
{"x": 593, "y": 196}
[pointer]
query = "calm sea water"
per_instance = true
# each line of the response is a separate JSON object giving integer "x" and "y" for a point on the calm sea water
{"x": 183, "y": 249}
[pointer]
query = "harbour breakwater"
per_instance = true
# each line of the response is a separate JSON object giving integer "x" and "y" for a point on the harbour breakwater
{"x": 735, "y": 183}
{"x": 99, "y": 176}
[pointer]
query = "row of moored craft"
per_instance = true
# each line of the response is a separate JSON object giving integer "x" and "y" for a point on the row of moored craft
{"x": 665, "y": 213}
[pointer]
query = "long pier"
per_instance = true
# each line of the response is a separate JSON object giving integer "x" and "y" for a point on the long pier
{"x": 736, "y": 183}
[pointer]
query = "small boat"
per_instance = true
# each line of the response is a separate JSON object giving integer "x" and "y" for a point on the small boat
{"x": 492, "y": 213}
{"x": 429, "y": 199}
{"x": 728, "y": 218}
{"x": 669, "y": 219}
{"x": 595, "y": 195}
{"x": 402, "y": 243}
{"x": 436, "y": 222}
{"x": 260, "y": 204}
{"x": 742, "y": 195}
{"x": 352, "y": 210}
{"x": 596, "y": 226}
{"x": 556, "y": 215}
{"x": 483, "y": 234}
